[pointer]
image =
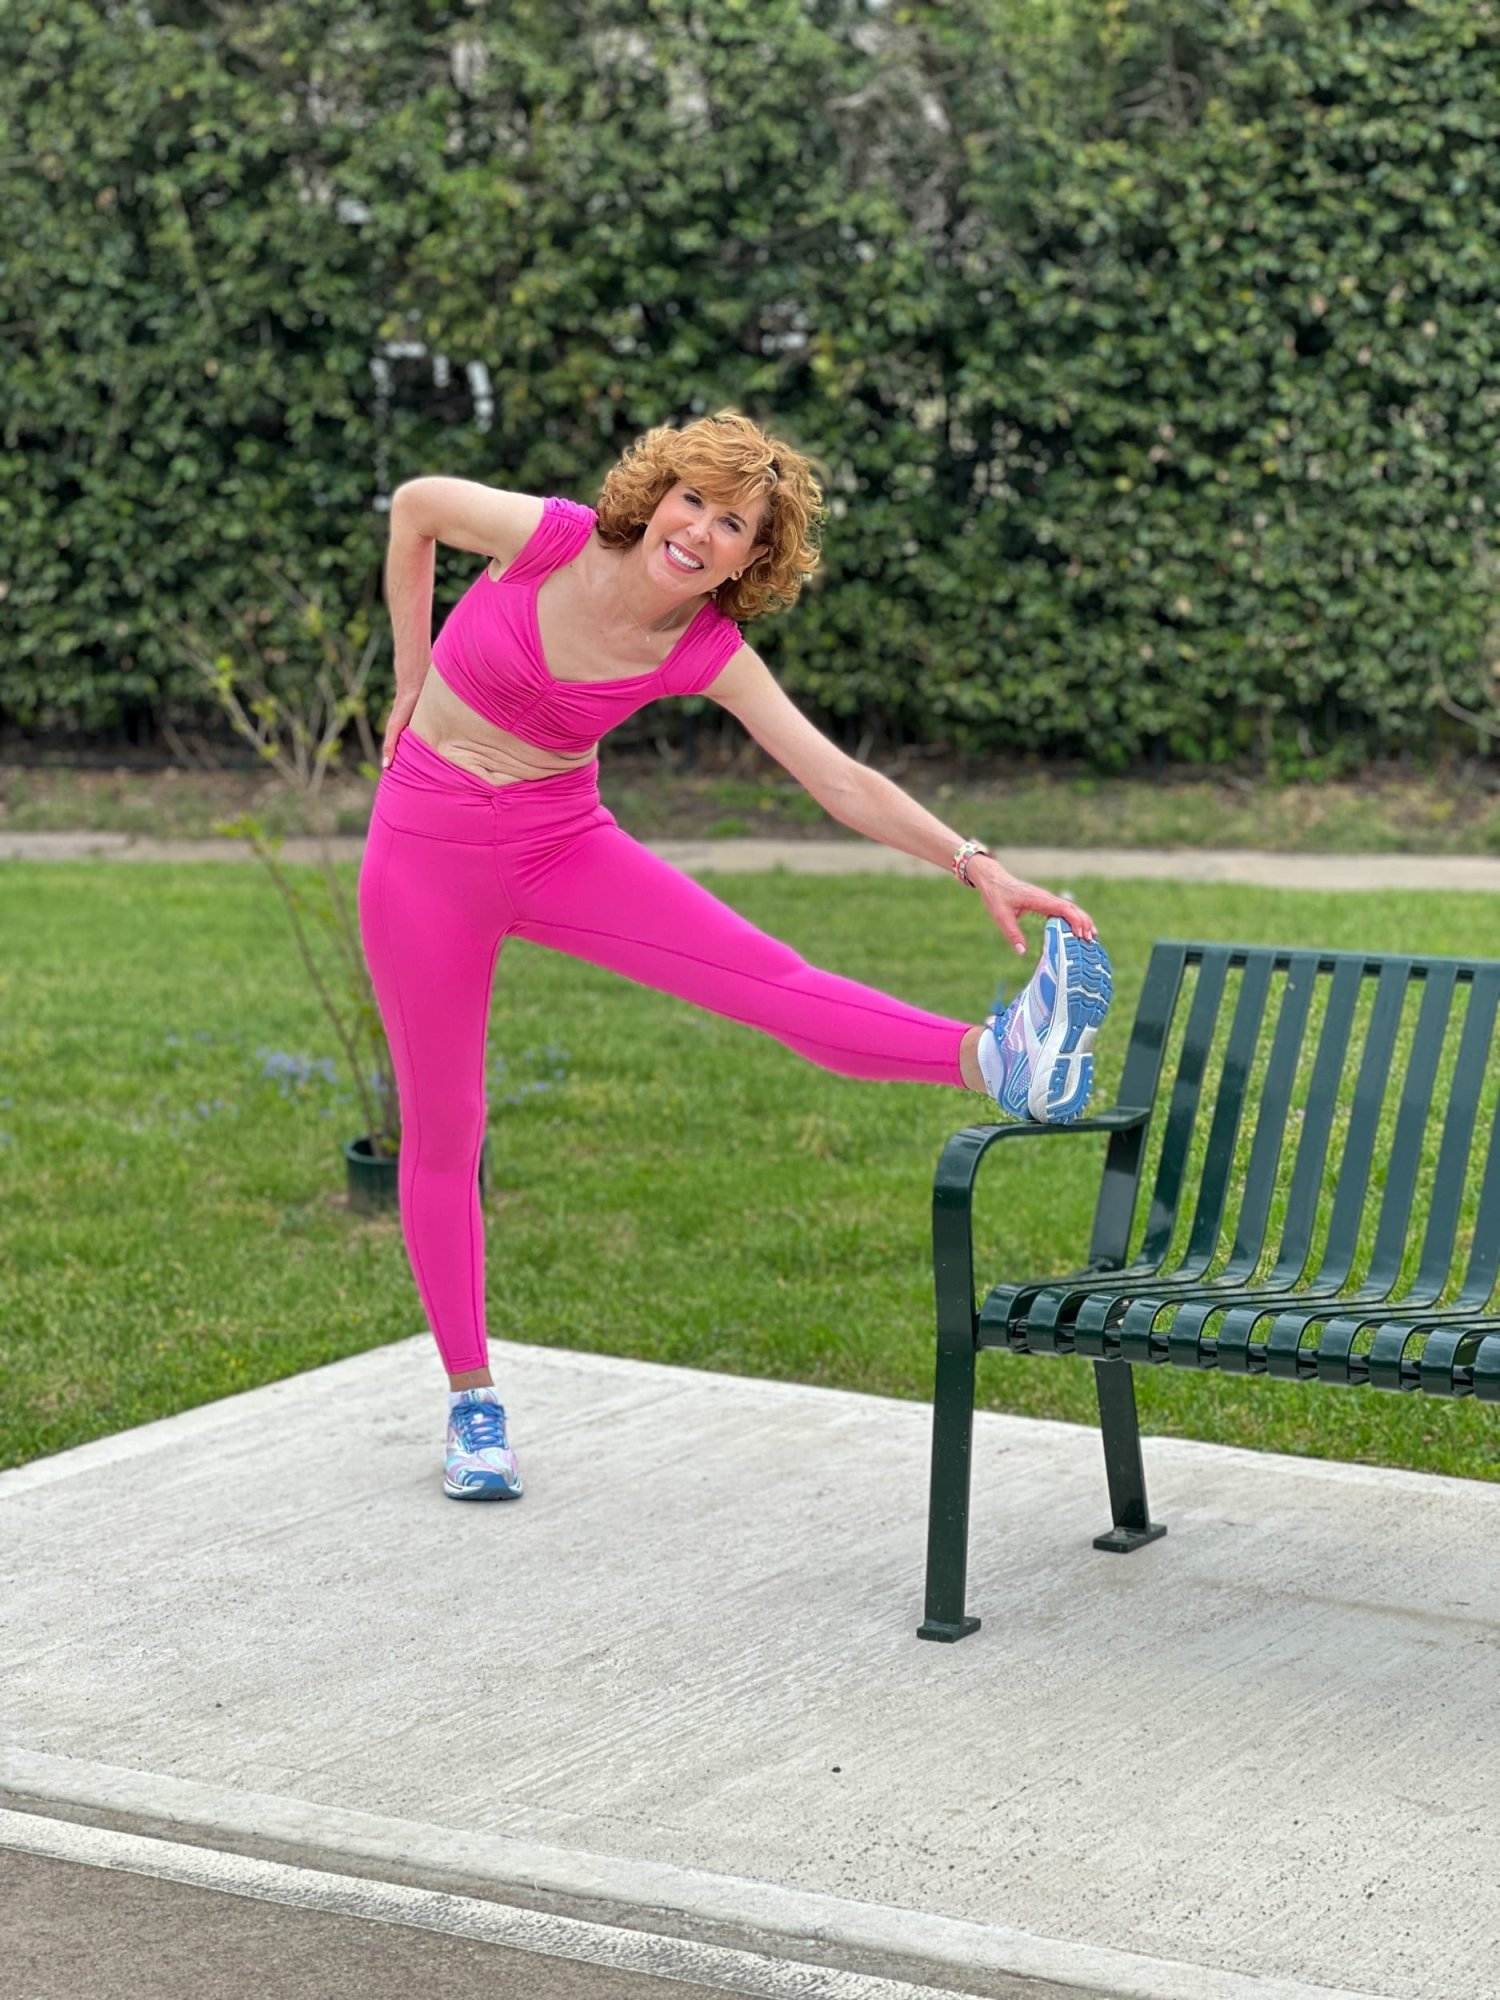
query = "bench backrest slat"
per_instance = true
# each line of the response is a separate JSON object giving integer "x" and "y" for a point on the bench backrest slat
{"x": 1457, "y": 1141}
{"x": 1414, "y": 1107}
{"x": 1229, "y": 1105}
{"x": 1317, "y": 1124}
{"x": 1484, "y": 1257}
{"x": 1271, "y": 1124}
{"x": 1187, "y": 1095}
{"x": 1114, "y": 1213}
{"x": 1358, "y": 1149}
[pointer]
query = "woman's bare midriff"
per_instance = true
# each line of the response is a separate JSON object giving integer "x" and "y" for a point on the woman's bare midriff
{"x": 448, "y": 725}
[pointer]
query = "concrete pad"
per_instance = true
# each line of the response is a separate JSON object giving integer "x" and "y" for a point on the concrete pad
{"x": 681, "y": 1675}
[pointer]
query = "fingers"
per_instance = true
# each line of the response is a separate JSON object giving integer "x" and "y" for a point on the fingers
{"x": 402, "y": 710}
{"x": 393, "y": 728}
{"x": 1076, "y": 918}
{"x": 1026, "y": 896}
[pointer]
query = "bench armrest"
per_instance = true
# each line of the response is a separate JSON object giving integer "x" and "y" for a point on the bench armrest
{"x": 1120, "y": 1119}
{"x": 958, "y": 1164}
{"x": 953, "y": 1204}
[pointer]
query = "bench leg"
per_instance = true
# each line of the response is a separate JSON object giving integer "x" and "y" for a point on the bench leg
{"x": 1133, "y": 1526}
{"x": 948, "y": 1502}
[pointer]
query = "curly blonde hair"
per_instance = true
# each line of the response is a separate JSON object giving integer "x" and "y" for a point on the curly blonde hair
{"x": 735, "y": 463}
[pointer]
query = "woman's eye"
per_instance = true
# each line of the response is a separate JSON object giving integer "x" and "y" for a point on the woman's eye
{"x": 732, "y": 524}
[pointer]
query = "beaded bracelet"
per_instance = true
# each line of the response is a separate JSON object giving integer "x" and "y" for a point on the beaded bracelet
{"x": 964, "y": 856}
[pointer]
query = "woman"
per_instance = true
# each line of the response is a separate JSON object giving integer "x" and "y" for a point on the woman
{"x": 487, "y": 824}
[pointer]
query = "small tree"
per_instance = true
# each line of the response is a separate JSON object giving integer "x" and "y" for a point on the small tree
{"x": 301, "y": 736}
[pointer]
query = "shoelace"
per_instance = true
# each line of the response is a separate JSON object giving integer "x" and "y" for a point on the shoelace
{"x": 480, "y": 1424}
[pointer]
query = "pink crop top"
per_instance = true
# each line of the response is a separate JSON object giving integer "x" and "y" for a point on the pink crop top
{"x": 490, "y": 649}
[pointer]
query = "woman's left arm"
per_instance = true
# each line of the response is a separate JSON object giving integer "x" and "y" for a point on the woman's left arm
{"x": 869, "y": 803}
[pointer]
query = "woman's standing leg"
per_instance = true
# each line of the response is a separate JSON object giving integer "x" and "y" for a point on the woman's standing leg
{"x": 432, "y": 917}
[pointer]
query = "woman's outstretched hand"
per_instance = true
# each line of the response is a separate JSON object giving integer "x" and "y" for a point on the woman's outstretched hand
{"x": 1005, "y": 898}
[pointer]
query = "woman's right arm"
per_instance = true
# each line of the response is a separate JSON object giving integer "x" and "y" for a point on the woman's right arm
{"x": 410, "y": 563}
{"x": 466, "y": 515}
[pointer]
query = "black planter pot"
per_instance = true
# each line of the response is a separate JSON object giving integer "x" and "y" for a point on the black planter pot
{"x": 373, "y": 1183}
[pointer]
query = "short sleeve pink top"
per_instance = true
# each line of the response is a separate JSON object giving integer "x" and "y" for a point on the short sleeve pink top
{"x": 489, "y": 650}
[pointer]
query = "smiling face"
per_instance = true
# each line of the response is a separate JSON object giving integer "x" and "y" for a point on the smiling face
{"x": 718, "y": 535}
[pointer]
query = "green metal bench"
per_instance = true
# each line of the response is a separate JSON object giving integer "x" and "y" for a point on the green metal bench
{"x": 1319, "y": 1209}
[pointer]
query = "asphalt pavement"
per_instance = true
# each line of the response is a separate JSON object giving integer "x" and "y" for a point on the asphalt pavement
{"x": 115, "y": 1928}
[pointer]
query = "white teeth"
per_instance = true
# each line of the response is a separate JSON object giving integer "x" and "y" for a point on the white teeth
{"x": 676, "y": 554}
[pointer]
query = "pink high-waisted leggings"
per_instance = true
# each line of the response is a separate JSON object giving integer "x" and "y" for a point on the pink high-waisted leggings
{"x": 452, "y": 867}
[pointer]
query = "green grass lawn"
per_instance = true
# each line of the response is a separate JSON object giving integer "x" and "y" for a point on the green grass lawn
{"x": 666, "y": 1184}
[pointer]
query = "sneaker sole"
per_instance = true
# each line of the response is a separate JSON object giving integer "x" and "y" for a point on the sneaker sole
{"x": 497, "y": 1491}
{"x": 1063, "y": 1081}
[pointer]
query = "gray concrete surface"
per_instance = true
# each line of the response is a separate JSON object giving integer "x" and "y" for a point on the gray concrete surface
{"x": 677, "y": 1686}
{"x": 864, "y": 857}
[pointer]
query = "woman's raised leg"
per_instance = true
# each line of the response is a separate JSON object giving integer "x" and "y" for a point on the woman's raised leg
{"x": 608, "y": 899}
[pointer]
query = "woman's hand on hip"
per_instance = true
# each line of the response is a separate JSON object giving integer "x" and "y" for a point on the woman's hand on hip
{"x": 401, "y": 713}
{"x": 1005, "y": 897}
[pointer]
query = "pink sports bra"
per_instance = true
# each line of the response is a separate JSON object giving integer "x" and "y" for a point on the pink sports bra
{"x": 490, "y": 648}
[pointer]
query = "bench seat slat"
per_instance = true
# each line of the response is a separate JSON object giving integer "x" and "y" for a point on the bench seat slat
{"x": 1445, "y": 1367}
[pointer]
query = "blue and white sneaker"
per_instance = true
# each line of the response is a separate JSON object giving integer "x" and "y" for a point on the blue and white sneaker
{"x": 1037, "y": 1059}
{"x": 480, "y": 1464}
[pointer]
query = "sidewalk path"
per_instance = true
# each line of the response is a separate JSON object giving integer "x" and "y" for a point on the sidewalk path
{"x": 678, "y": 1686}
{"x": 1055, "y": 866}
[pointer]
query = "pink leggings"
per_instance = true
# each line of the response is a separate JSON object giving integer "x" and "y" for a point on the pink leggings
{"x": 452, "y": 867}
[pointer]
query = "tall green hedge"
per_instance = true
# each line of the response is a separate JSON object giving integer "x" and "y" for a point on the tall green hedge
{"x": 1151, "y": 347}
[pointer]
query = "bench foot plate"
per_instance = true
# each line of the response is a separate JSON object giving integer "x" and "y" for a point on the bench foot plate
{"x": 934, "y": 1628}
{"x": 1120, "y": 1541}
